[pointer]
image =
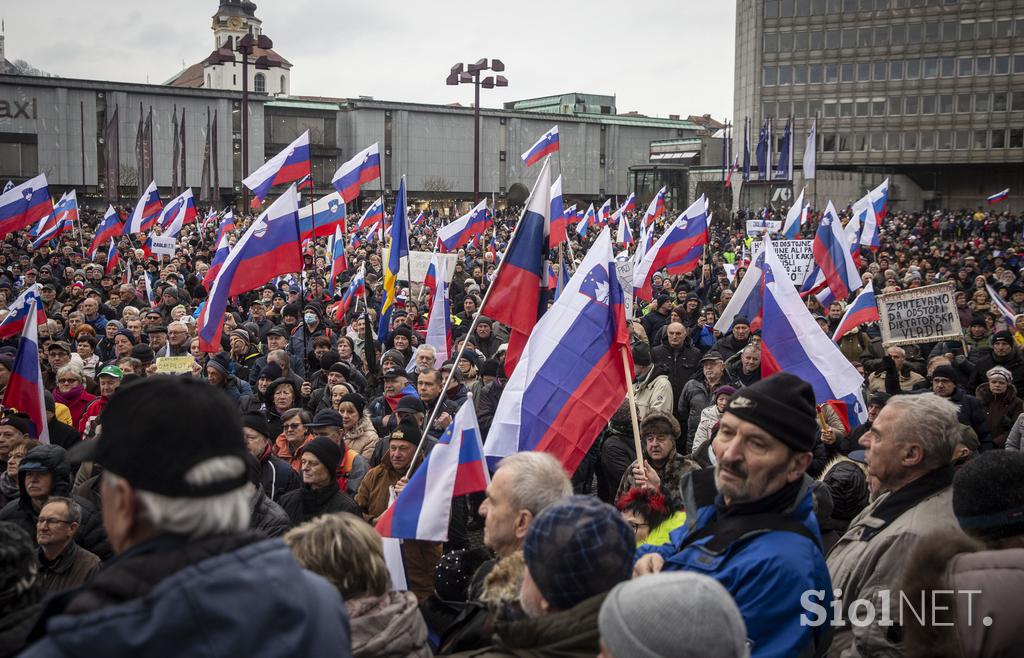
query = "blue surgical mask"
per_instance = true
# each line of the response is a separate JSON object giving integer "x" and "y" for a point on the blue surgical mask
{"x": 310, "y": 318}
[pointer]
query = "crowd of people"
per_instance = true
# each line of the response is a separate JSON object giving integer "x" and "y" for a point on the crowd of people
{"x": 164, "y": 517}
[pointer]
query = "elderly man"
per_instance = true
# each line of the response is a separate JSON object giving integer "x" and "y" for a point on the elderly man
{"x": 90, "y": 307}
{"x": 680, "y": 357}
{"x": 382, "y": 409}
{"x": 909, "y": 448}
{"x": 663, "y": 467}
{"x": 970, "y": 410}
{"x": 176, "y": 507}
{"x": 736, "y": 339}
{"x": 652, "y": 387}
{"x": 575, "y": 552}
{"x": 747, "y": 370}
{"x": 63, "y": 564}
{"x": 178, "y": 340}
{"x": 696, "y": 395}
{"x": 353, "y": 466}
{"x": 760, "y": 538}
{"x": 1004, "y": 353}
{"x": 895, "y": 365}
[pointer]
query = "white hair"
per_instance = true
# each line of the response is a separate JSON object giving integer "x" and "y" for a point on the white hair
{"x": 538, "y": 480}
{"x": 71, "y": 369}
{"x": 424, "y": 348}
{"x": 930, "y": 421}
{"x": 198, "y": 517}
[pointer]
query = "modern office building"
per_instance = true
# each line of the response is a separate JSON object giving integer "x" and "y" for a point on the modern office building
{"x": 928, "y": 92}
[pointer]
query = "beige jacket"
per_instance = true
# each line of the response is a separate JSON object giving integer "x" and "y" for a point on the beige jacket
{"x": 654, "y": 394}
{"x": 863, "y": 567}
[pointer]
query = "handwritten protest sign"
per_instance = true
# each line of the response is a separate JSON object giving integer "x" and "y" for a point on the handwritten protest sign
{"x": 162, "y": 246}
{"x": 797, "y": 257}
{"x": 919, "y": 315}
{"x": 171, "y": 365}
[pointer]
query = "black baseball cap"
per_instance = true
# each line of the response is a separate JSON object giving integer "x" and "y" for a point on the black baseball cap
{"x": 157, "y": 428}
{"x": 326, "y": 418}
{"x": 394, "y": 373}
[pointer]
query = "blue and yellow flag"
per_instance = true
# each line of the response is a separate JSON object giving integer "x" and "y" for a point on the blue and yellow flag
{"x": 397, "y": 249}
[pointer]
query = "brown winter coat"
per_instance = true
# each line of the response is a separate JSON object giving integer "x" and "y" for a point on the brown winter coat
{"x": 1002, "y": 411}
{"x": 362, "y": 438}
{"x": 72, "y": 568}
{"x": 872, "y": 555}
{"x": 949, "y": 562}
{"x": 420, "y": 556}
{"x": 388, "y": 626}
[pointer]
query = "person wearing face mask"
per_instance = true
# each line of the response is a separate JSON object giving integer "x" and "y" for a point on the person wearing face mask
{"x": 300, "y": 343}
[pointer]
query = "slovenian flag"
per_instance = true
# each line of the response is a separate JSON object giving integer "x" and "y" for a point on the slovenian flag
{"x": 861, "y": 311}
{"x": 999, "y": 196}
{"x": 362, "y": 168}
{"x": 290, "y": 165}
{"x": 546, "y": 145}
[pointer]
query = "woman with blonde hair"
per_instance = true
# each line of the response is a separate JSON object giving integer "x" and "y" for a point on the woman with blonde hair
{"x": 349, "y": 554}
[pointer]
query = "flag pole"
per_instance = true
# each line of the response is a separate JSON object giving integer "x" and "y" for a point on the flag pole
{"x": 631, "y": 395}
{"x": 462, "y": 348}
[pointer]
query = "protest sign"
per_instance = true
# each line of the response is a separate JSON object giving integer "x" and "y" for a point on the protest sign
{"x": 418, "y": 261}
{"x": 624, "y": 272}
{"x": 162, "y": 246}
{"x": 761, "y": 226}
{"x": 919, "y": 315}
{"x": 172, "y": 365}
{"x": 796, "y": 255}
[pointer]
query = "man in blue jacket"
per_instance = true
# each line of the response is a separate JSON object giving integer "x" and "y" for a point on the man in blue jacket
{"x": 188, "y": 578}
{"x": 760, "y": 537}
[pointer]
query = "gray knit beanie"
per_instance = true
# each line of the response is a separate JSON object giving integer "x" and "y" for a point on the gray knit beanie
{"x": 679, "y": 614}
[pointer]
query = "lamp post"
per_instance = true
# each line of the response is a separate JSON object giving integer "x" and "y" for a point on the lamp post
{"x": 470, "y": 74}
{"x": 245, "y": 47}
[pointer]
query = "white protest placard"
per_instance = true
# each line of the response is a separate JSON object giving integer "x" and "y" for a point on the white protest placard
{"x": 796, "y": 255}
{"x": 162, "y": 246}
{"x": 919, "y": 315}
{"x": 761, "y": 226}
{"x": 419, "y": 261}
{"x": 624, "y": 272}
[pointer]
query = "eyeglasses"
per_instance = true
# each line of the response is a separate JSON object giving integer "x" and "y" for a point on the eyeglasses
{"x": 67, "y": 381}
{"x": 636, "y": 526}
{"x": 292, "y": 426}
{"x": 42, "y": 520}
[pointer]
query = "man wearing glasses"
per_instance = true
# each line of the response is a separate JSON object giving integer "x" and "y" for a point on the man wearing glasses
{"x": 62, "y": 563}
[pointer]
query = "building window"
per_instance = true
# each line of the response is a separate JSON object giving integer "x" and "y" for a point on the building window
{"x": 785, "y": 42}
{"x": 785, "y": 75}
{"x": 967, "y": 31}
{"x": 815, "y": 73}
{"x": 931, "y": 67}
{"x": 828, "y": 142}
{"x": 981, "y": 103}
{"x": 985, "y": 29}
{"x": 817, "y": 40}
{"x": 895, "y": 105}
{"x": 1004, "y": 28}
{"x": 882, "y": 35}
{"x": 912, "y": 105}
{"x": 813, "y": 108}
{"x": 771, "y": 9}
{"x": 846, "y": 108}
{"x": 999, "y": 103}
{"x": 1002, "y": 64}
{"x": 1016, "y": 138}
{"x": 948, "y": 65}
{"x": 829, "y": 109}
{"x": 209, "y": 84}
{"x": 913, "y": 69}
{"x": 945, "y": 103}
{"x": 949, "y": 31}
{"x": 945, "y": 141}
{"x": 259, "y": 83}
{"x": 928, "y": 104}
{"x": 998, "y": 139}
{"x": 983, "y": 66}
{"x": 801, "y": 41}
{"x": 877, "y": 142}
{"x": 800, "y": 74}
{"x": 1018, "y": 63}
{"x": 771, "y": 42}
{"x": 898, "y": 34}
{"x": 914, "y": 33}
{"x": 878, "y": 107}
{"x": 962, "y": 140}
{"x": 896, "y": 70}
{"x": 844, "y": 143}
{"x": 862, "y": 108}
{"x": 910, "y": 141}
{"x": 980, "y": 139}
{"x": 19, "y": 159}
{"x": 931, "y": 31}
{"x": 771, "y": 76}
{"x": 848, "y": 72}
{"x": 927, "y": 142}
{"x": 966, "y": 66}
{"x": 234, "y": 80}
{"x": 892, "y": 141}
{"x": 850, "y": 37}
{"x": 963, "y": 102}
{"x": 284, "y": 84}
{"x": 832, "y": 40}
{"x": 831, "y": 74}
{"x": 879, "y": 71}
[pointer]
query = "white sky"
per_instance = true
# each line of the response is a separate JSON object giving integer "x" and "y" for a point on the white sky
{"x": 658, "y": 57}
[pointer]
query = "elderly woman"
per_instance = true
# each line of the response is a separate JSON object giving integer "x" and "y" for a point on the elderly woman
{"x": 319, "y": 460}
{"x": 710, "y": 416}
{"x": 1002, "y": 405}
{"x": 356, "y": 426}
{"x": 70, "y": 391}
{"x": 350, "y": 555}
{"x": 9, "y": 478}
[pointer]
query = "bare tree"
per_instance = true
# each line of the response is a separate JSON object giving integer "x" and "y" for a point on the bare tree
{"x": 21, "y": 67}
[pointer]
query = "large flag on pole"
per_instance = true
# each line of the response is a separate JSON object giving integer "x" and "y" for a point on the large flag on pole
{"x": 330, "y": 214}
{"x": 362, "y": 168}
{"x": 290, "y": 165}
{"x": 109, "y": 228}
{"x": 25, "y": 204}
{"x": 454, "y": 467}
{"x": 17, "y": 313}
{"x": 439, "y": 324}
{"x": 558, "y": 219}
{"x": 833, "y": 262}
{"x": 571, "y": 377}
{"x": 861, "y": 311}
{"x": 515, "y": 296}
{"x": 795, "y": 218}
{"x": 784, "y": 168}
{"x": 459, "y": 232}
{"x": 147, "y": 211}
{"x": 656, "y": 208}
{"x": 268, "y": 248}
{"x": 25, "y": 386}
{"x": 792, "y": 341}
{"x": 545, "y": 146}
{"x": 337, "y": 251}
{"x": 690, "y": 230}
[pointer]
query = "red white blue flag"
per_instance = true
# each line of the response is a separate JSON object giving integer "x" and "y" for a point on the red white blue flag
{"x": 462, "y": 230}
{"x": 289, "y": 166}
{"x": 147, "y": 211}
{"x": 679, "y": 248}
{"x": 545, "y": 146}
{"x": 25, "y": 386}
{"x": 833, "y": 261}
{"x": 439, "y": 324}
{"x": 25, "y": 204}
{"x": 109, "y": 228}
{"x": 330, "y": 214}
{"x": 362, "y": 168}
{"x": 17, "y": 313}
{"x": 861, "y": 311}
{"x": 571, "y": 377}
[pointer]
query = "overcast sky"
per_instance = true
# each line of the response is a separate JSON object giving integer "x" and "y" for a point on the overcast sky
{"x": 658, "y": 57}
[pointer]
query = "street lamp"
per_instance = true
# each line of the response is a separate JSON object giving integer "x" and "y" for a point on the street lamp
{"x": 470, "y": 74}
{"x": 245, "y": 47}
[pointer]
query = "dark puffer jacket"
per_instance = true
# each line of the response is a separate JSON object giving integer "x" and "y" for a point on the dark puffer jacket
{"x": 306, "y": 504}
{"x": 268, "y": 517}
{"x": 90, "y": 535}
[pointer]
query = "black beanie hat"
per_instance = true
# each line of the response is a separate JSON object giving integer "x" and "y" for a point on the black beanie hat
{"x": 782, "y": 405}
{"x": 358, "y": 401}
{"x": 641, "y": 354}
{"x": 945, "y": 372}
{"x": 257, "y": 423}
{"x": 988, "y": 495}
{"x": 326, "y": 451}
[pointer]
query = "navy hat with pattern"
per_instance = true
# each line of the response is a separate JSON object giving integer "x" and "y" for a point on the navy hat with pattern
{"x": 578, "y": 548}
